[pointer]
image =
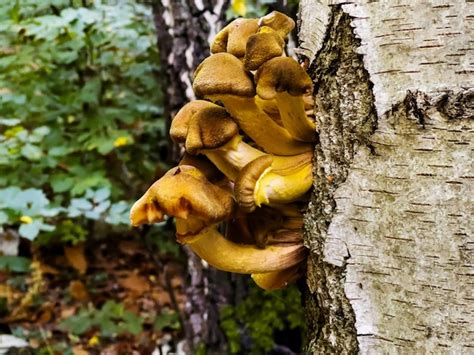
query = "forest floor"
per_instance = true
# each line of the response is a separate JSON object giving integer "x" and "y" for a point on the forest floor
{"x": 116, "y": 296}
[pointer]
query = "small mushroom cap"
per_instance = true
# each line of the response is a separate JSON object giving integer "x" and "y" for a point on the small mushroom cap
{"x": 233, "y": 38}
{"x": 180, "y": 123}
{"x": 282, "y": 74}
{"x": 222, "y": 74}
{"x": 246, "y": 182}
{"x": 182, "y": 192}
{"x": 279, "y": 22}
{"x": 208, "y": 127}
{"x": 261, "y": 47}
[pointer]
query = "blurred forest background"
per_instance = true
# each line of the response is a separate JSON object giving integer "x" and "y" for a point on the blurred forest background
{"x": 82, "y": 135}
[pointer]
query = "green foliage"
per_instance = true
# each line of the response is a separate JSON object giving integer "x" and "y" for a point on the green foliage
{"x": 168, "y": 319}
{"x": 15, "y": 263}
{"x": 259, "y": 315}
{"x": 111, "y": 320}
{"x": 80, "y": 109}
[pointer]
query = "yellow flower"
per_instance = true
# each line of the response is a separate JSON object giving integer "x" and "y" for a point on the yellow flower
{"x": 26, "y": 219}
{"x": 239, "y": 7}
{"x": 93, "y": 341}
{"x": 121, "y": 141}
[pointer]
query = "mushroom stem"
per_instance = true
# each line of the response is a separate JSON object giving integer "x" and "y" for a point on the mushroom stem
{"x": 276, "y": 280}
{"x": 293, "y": 116}
{"x": 260, "y": 127}
{"x": 225, "y": 255}
{"x": 232, "y": 157}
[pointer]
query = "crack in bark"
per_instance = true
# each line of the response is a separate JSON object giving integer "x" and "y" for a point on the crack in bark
{"x": 346, "y": 118}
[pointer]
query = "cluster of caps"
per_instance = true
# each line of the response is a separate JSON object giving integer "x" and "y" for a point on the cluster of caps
{"x": 237, "y": 193}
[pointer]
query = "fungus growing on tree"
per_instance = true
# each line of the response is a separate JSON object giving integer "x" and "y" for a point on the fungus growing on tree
{"x": 233, "y": 38}
{"x": 237, "y": 192}
{"x": 261, "y": 47}
{"x": 283, "y": 79}
{"x": 222, "y": 78}
{"x": 261, "y": 182}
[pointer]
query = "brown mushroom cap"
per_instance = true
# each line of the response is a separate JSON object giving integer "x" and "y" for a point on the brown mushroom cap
{"x": 261, "y": 47}
{"x": 208, "y": 127}
{"x": 282, "y": 74}
{"x": 233, "y": 37}
{"x": 222, "y": 73}
{"x": 182, "y": 192}
{"x": 279, "y": 22}
{"x": 180, "y": 123}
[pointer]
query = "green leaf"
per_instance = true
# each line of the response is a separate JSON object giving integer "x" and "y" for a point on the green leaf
{"x": 31, "y": 152}
{"x": 3, "y": 218}
{"x": 81, "y": 204}
{"x": 9, "y": 121}
{"x": 166, "y": 320}
{"x": 15, "y": 263}
{"x": 61, "y": 183}
{"x": 30, "y": 231}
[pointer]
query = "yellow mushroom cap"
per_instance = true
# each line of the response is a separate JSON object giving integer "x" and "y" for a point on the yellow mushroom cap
{"x": 222, "y": 74}
{"x": 206, "y": 128}
{"x": 246, "y": 182}
{"x": 279, "y": 22}
{"x": 233, "y": 37}
{"x": 182, "y": 192}
{"x": 282, "y": 74}
{"x": 262, "y": 47}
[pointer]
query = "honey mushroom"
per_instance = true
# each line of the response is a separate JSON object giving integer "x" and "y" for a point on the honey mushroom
{"x": 283, "y": 79}
{"x": 199, "y": 206}
{"x": 261, "y": 182}
{"x": 206, "y": 128}
{"x": 233, "y": 37}
{"x": 263, "y": 234}
{"x": 222, "y": 77}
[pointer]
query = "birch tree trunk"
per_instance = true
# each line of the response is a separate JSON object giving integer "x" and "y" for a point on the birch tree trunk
{"x": 184, "y": 30}
{"x": 390, "y": 222}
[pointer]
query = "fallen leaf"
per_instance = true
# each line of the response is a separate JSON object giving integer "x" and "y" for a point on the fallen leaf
{"x": 68, "y": 312}
{"x": 135, "y": 283}
{"x": 78, "y": 290}
{"x": 46, "y": 269}
{"x": 130, "y": 247}
{"x": 78, "y": 350}
{"x": 176, "y": 282}
{"x": 75, "y": 257}
{"x": 162, "y": 297}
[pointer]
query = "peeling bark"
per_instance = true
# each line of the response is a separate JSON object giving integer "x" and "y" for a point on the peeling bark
{"x": 389, "y": 225}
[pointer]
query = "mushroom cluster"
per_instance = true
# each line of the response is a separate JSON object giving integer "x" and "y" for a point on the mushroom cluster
{"x": 238, "y": 193}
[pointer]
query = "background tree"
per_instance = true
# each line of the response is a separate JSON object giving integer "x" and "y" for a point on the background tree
{"x": 389, "y": 224}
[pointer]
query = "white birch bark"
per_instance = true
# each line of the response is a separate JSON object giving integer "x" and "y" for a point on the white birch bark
{"x": 390, "y": 225}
